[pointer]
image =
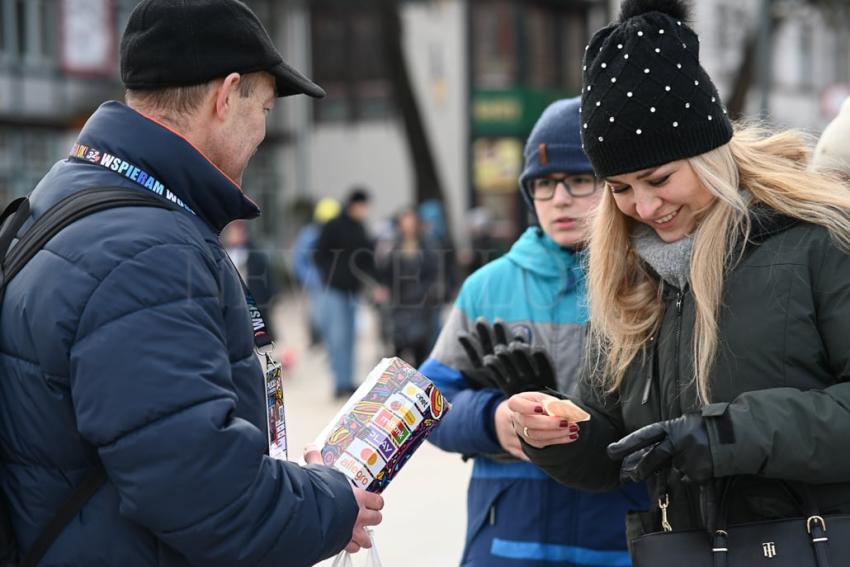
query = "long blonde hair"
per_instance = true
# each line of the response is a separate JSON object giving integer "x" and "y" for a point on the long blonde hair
{"x": 626, "y": 307}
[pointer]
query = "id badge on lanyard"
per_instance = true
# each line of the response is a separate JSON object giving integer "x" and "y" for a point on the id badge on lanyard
{"x": 275, "y": 414}
{"x": 272, "y": 380}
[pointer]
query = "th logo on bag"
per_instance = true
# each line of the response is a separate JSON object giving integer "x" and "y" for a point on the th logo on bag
{"x": 769, "y": 549}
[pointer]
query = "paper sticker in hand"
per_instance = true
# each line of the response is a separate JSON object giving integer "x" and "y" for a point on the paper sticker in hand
{"x": 567, "y": 409}
{"x": 382, "y": 424}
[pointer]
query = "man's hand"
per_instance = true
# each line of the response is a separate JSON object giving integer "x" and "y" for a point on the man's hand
{"x": 681, "y": 442}
{"x": 313, "y": 455}
{"x": 505, "y": 432}
{"x": 380, "y": 294}
{"x": 369, "y": 504}
{"x": 369, "y": 515}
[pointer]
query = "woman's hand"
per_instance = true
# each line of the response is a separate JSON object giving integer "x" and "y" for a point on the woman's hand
{"x": 505, "y": 432}
{"x": 535, "y": 426}
{"x": 682, "y": 442}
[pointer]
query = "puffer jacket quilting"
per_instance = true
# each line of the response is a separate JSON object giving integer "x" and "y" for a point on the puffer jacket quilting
{"x": 128, "y": 339}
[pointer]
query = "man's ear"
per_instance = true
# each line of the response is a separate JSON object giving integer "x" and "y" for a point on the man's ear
{"x": 225, "y": 93}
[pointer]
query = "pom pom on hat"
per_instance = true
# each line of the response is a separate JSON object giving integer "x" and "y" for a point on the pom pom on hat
{"x": 832, "y": 151}
{"x": 676, "y": 9}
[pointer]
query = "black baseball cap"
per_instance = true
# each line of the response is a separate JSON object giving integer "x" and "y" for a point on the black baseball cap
{"x": 171, "y": 43}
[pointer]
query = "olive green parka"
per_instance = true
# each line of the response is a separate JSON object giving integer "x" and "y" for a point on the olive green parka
{"x": 779, "y": 389}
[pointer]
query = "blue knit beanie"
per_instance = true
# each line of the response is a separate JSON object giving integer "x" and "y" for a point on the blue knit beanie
{"x": 554, "y": 145}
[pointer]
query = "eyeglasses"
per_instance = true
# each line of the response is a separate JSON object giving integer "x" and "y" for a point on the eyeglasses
{"x": 543, "y": 188}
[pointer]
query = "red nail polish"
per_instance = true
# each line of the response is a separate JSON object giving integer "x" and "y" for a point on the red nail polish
{"x": 564, "y": 423}
{"x": 574, "y": 436}
{"x": 538, "y": 409}
{"x": 573, "y": 428}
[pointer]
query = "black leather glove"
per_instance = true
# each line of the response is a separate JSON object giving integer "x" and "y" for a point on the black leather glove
{"x": 682, "y": 442}
{"x": 521, "y": 368}
{"x": 478, "y": 344}
{"x": 512, "y": 367}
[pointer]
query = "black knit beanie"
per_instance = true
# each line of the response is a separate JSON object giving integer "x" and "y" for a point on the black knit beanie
{"x": 646, "y": 100}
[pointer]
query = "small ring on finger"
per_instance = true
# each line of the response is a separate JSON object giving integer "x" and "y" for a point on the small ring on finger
{"x": 525, "y": 432}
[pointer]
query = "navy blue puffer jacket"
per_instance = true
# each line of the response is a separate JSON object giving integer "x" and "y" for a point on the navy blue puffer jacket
{"x": 127, "y": 339}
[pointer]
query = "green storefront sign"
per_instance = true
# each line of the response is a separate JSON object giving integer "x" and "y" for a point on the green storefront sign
{"x": 510, "y": 112}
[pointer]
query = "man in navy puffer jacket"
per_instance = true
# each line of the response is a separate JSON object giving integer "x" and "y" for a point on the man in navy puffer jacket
{"x": 127, "y": 340}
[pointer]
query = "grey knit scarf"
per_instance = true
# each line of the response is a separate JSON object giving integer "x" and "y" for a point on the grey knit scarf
{"x": 671, "y": 260}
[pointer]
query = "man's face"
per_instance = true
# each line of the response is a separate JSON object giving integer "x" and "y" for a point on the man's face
{"x": 359, "y": 210}
{"x": 245, "y": 126}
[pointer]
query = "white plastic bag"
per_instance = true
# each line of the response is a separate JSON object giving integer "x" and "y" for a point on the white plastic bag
{"x": 344, "y": 559}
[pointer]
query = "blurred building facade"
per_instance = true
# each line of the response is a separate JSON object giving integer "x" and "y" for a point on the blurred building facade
{"x": 59, "y": 61}
{"x": 482, "y": 71}
{"x": 809, "y": 60}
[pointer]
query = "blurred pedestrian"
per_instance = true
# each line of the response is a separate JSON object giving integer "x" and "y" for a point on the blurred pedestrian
{"x": 517, "y": 516}
{"x": 253, "y": 265}
{"x": 832, "y": 152}
{"x": 435, "y": 229}
{"x": 484, "y": 246}
{"x": 409, "y": 272}
{"x": 386, "y": 233}
{"x": 131, "y": 393}
{"x": 306, "y": 270}
{"x": 345, "y": 256}
{"x": 719, "y": 293}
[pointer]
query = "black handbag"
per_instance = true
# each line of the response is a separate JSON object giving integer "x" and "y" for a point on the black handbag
{"x": 811, "y": 540}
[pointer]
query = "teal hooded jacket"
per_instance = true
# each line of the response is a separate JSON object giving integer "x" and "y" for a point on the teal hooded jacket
{"x": 516, "y": 514}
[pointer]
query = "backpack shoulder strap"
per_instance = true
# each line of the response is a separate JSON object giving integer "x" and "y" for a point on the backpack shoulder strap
{"x": 57, "y": 217}
{"x": 11, "y": 221}
{"x": 65, "y": 212}
{"x": 91, "y": 483}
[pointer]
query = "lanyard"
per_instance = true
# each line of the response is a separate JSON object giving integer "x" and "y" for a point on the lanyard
{"x": 94, "y": 156}
{"x": 262, "y": 337}
{"x": 88, "y": 154}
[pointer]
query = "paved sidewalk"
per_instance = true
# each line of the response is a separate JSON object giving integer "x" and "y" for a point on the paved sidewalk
{"x": 425, "y": 513}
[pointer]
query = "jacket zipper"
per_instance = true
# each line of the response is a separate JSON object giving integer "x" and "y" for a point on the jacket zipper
{"x": 663, "y": 492}
{"x": 650, "y": 375}
{"x": 679, "y": 298}
{"x": 689, "y": 499}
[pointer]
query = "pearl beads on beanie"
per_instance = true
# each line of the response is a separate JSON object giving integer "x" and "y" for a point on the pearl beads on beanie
{"x": 655, "y": 106}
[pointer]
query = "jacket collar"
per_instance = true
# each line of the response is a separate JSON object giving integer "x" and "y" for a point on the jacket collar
{"x": 535, "y": 252}
{"x": 121, "y": 131}
{"x": 765, "y": 222}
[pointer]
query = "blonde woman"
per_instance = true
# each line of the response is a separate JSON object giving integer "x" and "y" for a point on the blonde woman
{"x": 719, "y": 289}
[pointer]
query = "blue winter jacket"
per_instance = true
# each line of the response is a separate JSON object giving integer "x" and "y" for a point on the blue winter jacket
{"x": 518, "y": 516}
{"x": 127, "y": 340}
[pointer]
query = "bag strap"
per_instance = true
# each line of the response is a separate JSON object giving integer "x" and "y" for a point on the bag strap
{"x": 65, "y": 212}
{"x": 720, "y": 493}
{"x": 91, "y": 483}
{"x": 16, "y": 213}
{"x": 56, "y": 218}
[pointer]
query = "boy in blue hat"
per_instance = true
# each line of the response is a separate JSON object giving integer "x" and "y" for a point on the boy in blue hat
{"x": 518, "y": 516}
